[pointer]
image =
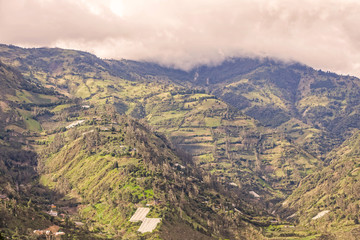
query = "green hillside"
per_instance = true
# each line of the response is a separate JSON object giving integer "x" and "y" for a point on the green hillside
{"x": 244, "y": 145}
{"x": 323, "y": 105}
{"x": 24, "y": 201}
{"x": 253, "y": 157}
{"x": 111, "y": 165}
{"x": 97, "y": 168}
{"x": 334, "y": 190}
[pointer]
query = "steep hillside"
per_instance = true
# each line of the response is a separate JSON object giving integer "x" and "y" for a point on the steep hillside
{"x": 23, "y": 200}
{"x": 242, "y": 135}
{"x": 233, "y": 147}
{"x": 334, "y": 192}
{"x": 316, "y": 109}
{"x": 276, "y": 94}
{"x": 309, "y": 105}
{"x": 100, "y": 167}
{"x": 271, "y": 91}
{"x": 111, "y": 165}
{"x": 230, "y": 145}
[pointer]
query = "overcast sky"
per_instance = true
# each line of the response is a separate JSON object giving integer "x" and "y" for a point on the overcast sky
{"x": 184, "y": 33}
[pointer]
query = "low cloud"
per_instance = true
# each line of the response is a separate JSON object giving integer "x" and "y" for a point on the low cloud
{"x": 186, "y": 33}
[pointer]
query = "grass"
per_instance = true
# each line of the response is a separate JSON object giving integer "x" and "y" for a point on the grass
{"x": 313, "y": 101}
{"x": 212, "y": 122}
{"x": 60, "y": 108}
{"x": 46, "y": 181}
{"x": 83, "y": 92}
{"x": 24, "y": 96}
{"x": 30, "y": 123}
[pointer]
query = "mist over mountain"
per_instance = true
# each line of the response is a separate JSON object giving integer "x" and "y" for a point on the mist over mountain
{"x": 185, "y": 34}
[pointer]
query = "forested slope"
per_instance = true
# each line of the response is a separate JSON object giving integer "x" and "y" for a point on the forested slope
{"x": 231, "y": 142}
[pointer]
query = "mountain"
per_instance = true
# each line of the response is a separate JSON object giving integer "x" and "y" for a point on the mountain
{"x": 236, "y": 144}
{"x": 322, "y": 106}
{"x": 309, "y": 105}
{"x": 194, "y": 119}
{"x": 134, "y": 167}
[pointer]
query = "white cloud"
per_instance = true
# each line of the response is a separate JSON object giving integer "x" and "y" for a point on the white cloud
{"x": 185, "y": 33}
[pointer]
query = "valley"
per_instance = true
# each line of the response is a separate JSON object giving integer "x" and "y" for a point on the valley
{"x": 249, "y": 149}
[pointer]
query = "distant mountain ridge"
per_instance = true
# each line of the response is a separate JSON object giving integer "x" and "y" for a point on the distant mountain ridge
{"x": 272, "y": 92}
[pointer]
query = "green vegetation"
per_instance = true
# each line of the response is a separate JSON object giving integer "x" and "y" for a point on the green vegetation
{"x": 198, "y": 150}
{"x": 333, "y": 189}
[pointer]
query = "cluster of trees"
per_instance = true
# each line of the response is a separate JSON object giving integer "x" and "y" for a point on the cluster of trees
{"x": 187, "y": 91}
